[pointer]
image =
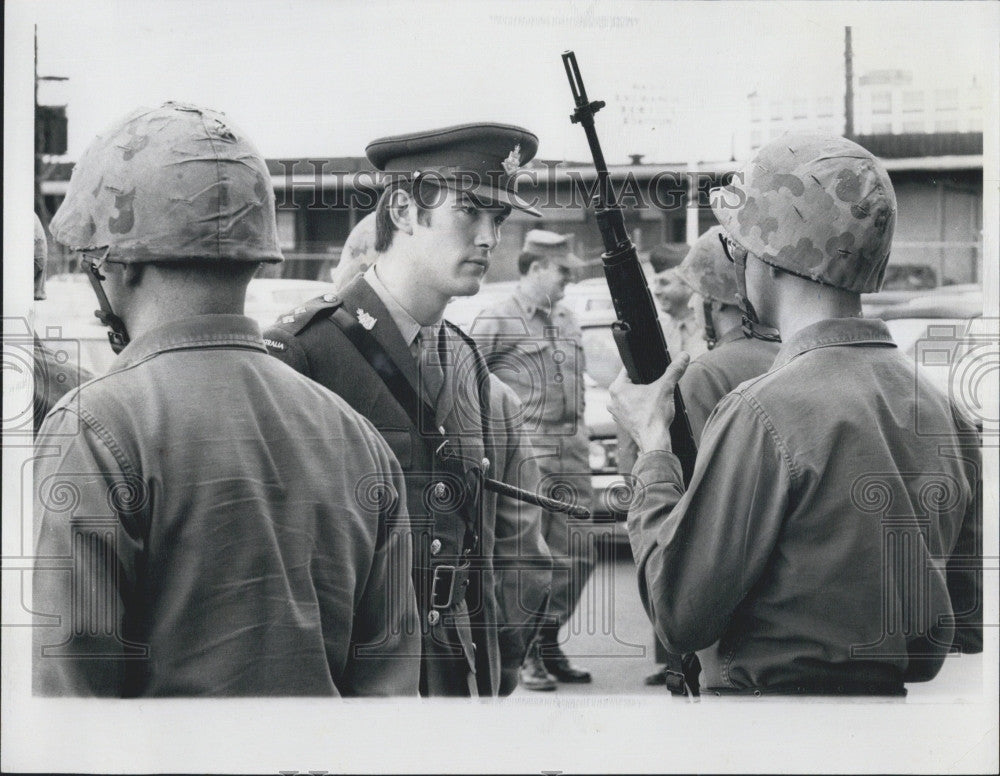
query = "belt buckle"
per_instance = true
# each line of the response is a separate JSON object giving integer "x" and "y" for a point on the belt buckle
{"x": 434, "y": 586}
{"x": 452, "y": 573}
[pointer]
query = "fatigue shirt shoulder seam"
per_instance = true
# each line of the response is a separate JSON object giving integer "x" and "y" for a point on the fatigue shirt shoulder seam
{"x": 102, "y": 433}
{"x": 772, "y": 431}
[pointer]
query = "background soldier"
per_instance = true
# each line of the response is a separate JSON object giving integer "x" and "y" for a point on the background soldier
{"x": 358, "y": 254}
{"x": 730, "y": 359}
{"x": 779, "y": 563}
{"x": 52, "y": 379}
{"x": 525, "y": 340}
{"x": 233, "y": 529}
{"x": 382, "y": 345}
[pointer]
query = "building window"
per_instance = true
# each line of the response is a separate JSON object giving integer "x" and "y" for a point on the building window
{"x": 913, "y": 101}
{"x": 776, "y": 110}
{"x": 286, "y": 230}
{"x": 975, "y": 123}
{"x": 913, "y": 126}
{"x": 881, "y": 102}
{"x": 881, "y": 127}
{"x": 946, "y": 99}
{"x": 824, "y": 106}
{"x": 754, "y": 108}
{"x": 800, "y": 108}
{"x": 946, "y": 125}
{"x": 756, "y": 138}
{"x": 775, "y": 133}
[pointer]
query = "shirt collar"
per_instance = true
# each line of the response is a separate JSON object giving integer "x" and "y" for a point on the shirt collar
{"x": 406, "y": 323}
{"x": 731, "y": 335}
{"x": 529, "y": 306}
{"x": 833, "y": 332}
{"x": 198, "y": 331}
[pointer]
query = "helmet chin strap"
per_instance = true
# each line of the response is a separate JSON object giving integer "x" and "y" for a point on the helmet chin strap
{"x": 118, "y": 336}
{"x": 711, "y": 338}
{"x": 752, "y": 327}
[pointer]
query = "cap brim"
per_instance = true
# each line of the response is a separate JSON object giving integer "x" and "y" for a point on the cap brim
{"x": 571, "y": 261}
{"x": 490, "y": 196}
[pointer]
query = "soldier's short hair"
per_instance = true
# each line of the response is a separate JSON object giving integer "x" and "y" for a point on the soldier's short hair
{"x": 385, "y": 229}
{"x": 526, "y": 259}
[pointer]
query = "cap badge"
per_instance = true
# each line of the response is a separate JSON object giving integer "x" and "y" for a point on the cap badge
{"x": 366, "y": 320}
{"x": 513, "y": 160}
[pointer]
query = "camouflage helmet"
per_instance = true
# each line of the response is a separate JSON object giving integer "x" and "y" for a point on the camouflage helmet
{"x": 41, "y": 257}
{"x": 707, "y": 271}
{"x": 818, "y": 206}
{"x": 358, "y": 253}
{"x": 173, "y": 183}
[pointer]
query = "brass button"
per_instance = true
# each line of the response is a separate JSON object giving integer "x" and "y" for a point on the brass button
{"x": 440, "y": 490}
{"x": 486, "y": 464}
{"x": 433, "y": 616}
{"x": 435, "y": 547}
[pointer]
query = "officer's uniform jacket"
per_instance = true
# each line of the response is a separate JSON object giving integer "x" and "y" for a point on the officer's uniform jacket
{"x": 453, "y": 522}
{"x": 207, "y": 523}
{"x": 792, "y": 561}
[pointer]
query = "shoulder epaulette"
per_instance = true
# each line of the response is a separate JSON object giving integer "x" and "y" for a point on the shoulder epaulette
{"x": 296, "y": 321}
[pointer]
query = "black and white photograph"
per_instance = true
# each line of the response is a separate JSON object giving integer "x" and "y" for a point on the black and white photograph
{"x": 535, "y": 387}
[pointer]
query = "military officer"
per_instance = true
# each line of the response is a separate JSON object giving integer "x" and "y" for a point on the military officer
{"x": 789, "y": 562}
{"x": 533, "y": 343}
{"x": 481, "y": 569}
{"x": 208, "y": 521}
{"x": 730, "y": 359}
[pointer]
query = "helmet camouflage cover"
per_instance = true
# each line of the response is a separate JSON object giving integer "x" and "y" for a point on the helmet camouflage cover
{"x": 818, "y": 206}
{"x": 174, "y": 183}
{"x": 707, "y": 270}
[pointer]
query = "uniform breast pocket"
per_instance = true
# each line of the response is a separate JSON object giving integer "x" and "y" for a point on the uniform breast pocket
{"x": 401, "y": 444}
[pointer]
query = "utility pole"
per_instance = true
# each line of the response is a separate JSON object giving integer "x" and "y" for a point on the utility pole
{"x": 849, "y": 91}
{"x": 50, "y": 136}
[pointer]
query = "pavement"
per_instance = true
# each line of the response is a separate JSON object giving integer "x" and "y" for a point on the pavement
{"x": 611, "y": 636}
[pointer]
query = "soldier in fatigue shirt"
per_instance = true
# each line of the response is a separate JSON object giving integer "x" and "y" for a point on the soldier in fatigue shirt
{"x": 730, "y": 358}
{"x": 208, "y": 521}
{"x": 481, "y": 569}
{"x": 788, "y": 563}
{"x": 533, "y": 343}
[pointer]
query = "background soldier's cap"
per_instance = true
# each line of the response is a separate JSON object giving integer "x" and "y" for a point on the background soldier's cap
{"x": 482, "y": 159}
{"x": 667, "y": 256}
{"x": 551, "y": 246}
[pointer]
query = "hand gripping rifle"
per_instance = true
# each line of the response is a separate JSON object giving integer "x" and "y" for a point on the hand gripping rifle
{"x": 637, "y": 331}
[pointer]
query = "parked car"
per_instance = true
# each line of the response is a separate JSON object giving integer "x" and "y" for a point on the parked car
{"x": 68, "y": 312}
{"x": 948, "y": 339}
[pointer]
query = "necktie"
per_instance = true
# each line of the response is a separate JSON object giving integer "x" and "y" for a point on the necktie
{"x": 429, "y": 363}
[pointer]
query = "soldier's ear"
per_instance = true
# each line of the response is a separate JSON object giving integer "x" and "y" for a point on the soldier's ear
{"x": 402, "y": 210}
{"x": 132, "y": 274}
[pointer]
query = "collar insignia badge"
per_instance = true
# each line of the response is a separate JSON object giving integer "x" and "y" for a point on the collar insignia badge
{"x": 366, "y": 320}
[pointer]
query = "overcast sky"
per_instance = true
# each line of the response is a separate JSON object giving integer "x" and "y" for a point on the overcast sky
{"x": 323, "y": 79}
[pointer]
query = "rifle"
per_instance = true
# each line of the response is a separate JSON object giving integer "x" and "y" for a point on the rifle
{"x": 637, "y": 332}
